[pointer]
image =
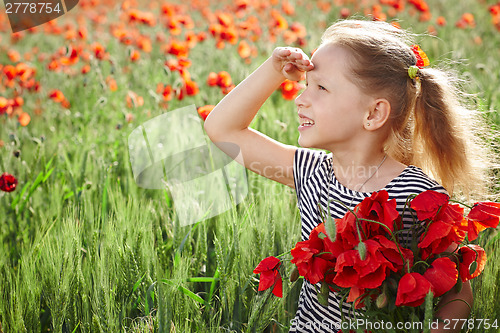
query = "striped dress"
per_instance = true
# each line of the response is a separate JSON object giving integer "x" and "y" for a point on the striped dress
{"x": 315, "y": 182}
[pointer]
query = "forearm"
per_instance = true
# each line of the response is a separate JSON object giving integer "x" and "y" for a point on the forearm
{"x": 453, "y": 307}
{"x": 236, "y": 110}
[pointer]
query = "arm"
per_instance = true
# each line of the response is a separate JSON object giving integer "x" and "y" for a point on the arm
{"x": 229, "y": 120}
{"x": 454, "y": 309}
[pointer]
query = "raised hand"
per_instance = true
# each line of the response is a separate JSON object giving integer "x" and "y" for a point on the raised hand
{"x": 291, "y": 62}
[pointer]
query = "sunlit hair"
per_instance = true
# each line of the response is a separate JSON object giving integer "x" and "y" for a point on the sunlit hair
{"x": 430, "y": 128}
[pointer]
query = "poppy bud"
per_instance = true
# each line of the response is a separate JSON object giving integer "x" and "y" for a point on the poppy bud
{"x": 323, "y": 294}
{"x": 458, "y": 286}
{"x": 331, "y": 228}
{"x": 382, "y": 301}
{"x": 473, "y": 267}
{"x": 295, "y": 274}
{"x": 362, "y": 250}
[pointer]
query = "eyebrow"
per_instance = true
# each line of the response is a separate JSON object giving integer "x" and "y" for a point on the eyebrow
{"x": 314, "y": 75}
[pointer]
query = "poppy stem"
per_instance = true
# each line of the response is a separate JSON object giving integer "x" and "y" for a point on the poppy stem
{"x": 420, "y": 262}
{"x": 460, "y": 203}
{"x": 393, "y": 238}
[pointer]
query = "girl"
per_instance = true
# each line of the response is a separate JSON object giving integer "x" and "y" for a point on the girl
{"x": 382, "y": 118}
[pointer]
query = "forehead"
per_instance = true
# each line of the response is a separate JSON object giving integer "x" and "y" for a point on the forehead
{"x": 328, "y": 60}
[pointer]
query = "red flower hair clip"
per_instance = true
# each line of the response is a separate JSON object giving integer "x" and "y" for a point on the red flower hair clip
{"x": 422, "y": 61}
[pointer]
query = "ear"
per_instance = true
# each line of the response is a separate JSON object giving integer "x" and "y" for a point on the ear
{"x": 378, "y": 114}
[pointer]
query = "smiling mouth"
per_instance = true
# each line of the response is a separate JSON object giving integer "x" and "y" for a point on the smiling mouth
{"x": 305, "y": 122}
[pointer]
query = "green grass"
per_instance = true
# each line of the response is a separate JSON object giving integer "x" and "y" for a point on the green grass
{"x": 84, "y": 249}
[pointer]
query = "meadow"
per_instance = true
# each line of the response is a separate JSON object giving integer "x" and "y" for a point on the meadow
{"x": 84, "y": 248}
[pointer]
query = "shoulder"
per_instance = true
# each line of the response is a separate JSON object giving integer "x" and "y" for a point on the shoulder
{"x": 414, "y": 180}
{"x": 307, "y": 162}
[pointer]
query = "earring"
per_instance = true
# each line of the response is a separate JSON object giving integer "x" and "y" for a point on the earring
{"x": 367, "y": 124}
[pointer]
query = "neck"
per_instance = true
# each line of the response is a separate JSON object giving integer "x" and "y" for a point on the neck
{"x": 355, "y": 172}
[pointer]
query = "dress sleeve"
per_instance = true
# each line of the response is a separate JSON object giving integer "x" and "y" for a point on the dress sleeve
{"x": 305, "y": 163}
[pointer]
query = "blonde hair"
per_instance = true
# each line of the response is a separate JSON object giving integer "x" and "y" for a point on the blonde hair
{"x": 430, "y": 128}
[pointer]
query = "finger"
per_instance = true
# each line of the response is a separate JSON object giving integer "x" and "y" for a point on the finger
{"x": 288, "y": 67}
{"x": 284, "y": 52}
{"x": 304, "y": 65}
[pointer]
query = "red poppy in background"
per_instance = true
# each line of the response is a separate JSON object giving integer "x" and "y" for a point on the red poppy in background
{"x": 442, "y": 274}
{"x": 428, "y": 203}
{"x": 8, "y": 182}
{"x": 412, "y": 290}
{"x": 205, "y": 110}
{"x": 482, "y": 215}
{"x": 290, "y": 89}
{"x": 270, "y": 275}
{"x": 469, "y": 255}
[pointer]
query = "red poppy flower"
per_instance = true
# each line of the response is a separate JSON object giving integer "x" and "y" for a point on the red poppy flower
{"x": 56, "y": 96}
{"x": 468, "y": 255}
{"x": 212, "y": 79}
{"x": 428, "y": 203}
{"x": 8, "y": 182}
{"x": 290, "y": 89}
{"x": 367, "y": 273}
{"x": 442, "y": 274}
{"x": 482, "y": 215}
{"x": 412, "y": 289}
{"x": 378, "y": 208}
{"x": 205, "y": 110}
{"x": 244, "y": 49}
{"x": 191, "y": 87}
{"x": 390, "y": 251}
{"x": 224, "y": 79}
{"x": 305, "y": 256}
{"x": 449, "y": 227}
{"x": 438, "y": 238}
{"x": 346, "y": 231}
{"x": 270, "y": 275}
{"x": 356, "y": 296}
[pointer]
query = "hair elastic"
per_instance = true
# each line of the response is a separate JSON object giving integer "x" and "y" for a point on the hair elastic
{"x": 412, "y": 71}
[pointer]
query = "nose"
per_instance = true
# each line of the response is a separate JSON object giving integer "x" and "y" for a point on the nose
{"x": 301, "y": 100}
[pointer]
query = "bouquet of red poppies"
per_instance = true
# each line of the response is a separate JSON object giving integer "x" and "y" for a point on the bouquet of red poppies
{"x": 388, "y": 270}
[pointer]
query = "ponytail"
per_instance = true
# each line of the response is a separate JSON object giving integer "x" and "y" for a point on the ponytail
{"x": 443, "y": 141}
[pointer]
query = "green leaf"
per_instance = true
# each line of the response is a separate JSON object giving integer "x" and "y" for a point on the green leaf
{"x": 19, "y": 196}
{"x": 202, "y": 279}
{"x": 186, "y": 292}
{"x": 150, "y": 298}
{"x": 137, "y": 284}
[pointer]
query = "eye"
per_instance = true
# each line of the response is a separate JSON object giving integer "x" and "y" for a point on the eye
{"x": 320, "y": 87}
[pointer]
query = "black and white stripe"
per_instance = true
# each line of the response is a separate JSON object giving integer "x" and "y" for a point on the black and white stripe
{"x": 312, "y": 170}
